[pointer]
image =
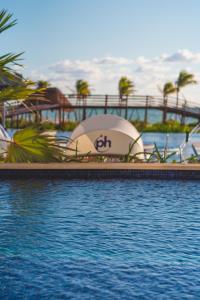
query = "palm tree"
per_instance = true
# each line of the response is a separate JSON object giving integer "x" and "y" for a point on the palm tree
{"x": 43, "y": 84}
{"x": 18, "y": 92}
{"x": 5, "y": 20}
{"x": 13, "y": 85}
{"x": 183, "y": 80}
{"x": 28, "y": 145}
{"x": 126, "y": 88}
{"x": 82, "y": 90}
{"x": 32, "y": 145}
{"x": 8, "y": 59}
{"x": 168, "y": 88}
{"x": 17, "y": 87}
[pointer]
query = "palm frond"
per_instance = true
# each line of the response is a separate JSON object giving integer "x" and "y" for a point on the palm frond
{"x": 9, "y": 59}
{"x": 126, "y": 87}
{"x": 168, "y": 89}
{"x": 19, "y": 92}
{"x": 159, "y": 156}
{"x": 82, "y": 88}
{"x": 5, "y": 20}
{"x": 6, "y": 63}
{"x": 129, "y": 157}
{"x": 29, "y": 145}
{"x": 184, "y": 79}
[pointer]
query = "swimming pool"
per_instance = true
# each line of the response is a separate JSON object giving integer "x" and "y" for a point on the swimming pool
{"x": 127, "y": 239}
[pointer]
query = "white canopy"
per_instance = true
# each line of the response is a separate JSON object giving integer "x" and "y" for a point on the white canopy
{"x": 106, "y": 134}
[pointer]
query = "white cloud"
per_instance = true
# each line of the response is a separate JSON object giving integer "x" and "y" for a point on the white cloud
{"x": 103, "y": 73}
{"x": 77, "y": 69}
{"x": 109, "y": 60}
{"x": 183, "y": 55}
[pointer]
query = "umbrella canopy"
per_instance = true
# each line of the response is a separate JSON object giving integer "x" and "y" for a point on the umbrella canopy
{"x": 106, "y": 134}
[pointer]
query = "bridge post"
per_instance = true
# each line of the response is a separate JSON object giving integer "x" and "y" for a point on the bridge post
{"x": 59, "y": 116}
{"x": 183, "y": 114}
{"x": 126, "y": 108}
{"x": 63, "y": 115}
{"x": 164, "y": 110}
{"x": 106, "y": 105}
{"x": 55, "y": 116}
{"x": 146, "y": 110}
{"x": 84, "y": 111}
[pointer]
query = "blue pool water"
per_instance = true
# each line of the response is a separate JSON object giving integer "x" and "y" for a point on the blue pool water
{"x": 126, "y": 239}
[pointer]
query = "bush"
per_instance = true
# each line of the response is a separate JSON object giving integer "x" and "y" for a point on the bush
{"x": 67, "y": 126}
{"x": 169, "y": 126}
{"x": 47, "y": 126}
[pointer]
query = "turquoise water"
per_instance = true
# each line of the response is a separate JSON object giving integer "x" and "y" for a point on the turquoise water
{"x": 122, "y": 239}
{"x": 154, "y": 115}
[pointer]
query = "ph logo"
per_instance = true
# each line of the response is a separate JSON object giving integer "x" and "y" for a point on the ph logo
{"x": 102, "y": 143}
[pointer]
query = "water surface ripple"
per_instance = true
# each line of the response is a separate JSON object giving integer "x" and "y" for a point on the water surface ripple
{"x": 109, "y": 239}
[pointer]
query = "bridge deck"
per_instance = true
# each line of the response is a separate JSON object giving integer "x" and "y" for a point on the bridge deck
{"x": 106, "y": 102}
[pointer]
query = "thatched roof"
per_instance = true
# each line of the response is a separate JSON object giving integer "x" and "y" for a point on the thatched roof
{"x": 56, "y": 96}
{"x": 51, "y": 95}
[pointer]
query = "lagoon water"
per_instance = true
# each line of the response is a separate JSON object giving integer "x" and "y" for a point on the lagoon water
{"x": 109, "y": 239}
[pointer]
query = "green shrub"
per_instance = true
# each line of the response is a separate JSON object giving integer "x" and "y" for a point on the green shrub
{"x": 169, "y": 126}
{"x": 67, "y": 126}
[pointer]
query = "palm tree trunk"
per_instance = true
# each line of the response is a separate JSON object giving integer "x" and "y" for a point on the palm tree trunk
{"x": 126, "y": 109}
{"x": 164, "y": 109}
{"x": 120, "y": 99}
{"x": 177, "y": 102}
{"x": 177, "y": 97}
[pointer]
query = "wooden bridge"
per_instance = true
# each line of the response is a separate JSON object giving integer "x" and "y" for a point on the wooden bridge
{"x": 78, "y": 109}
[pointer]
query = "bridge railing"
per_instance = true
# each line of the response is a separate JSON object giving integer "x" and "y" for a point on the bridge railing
{"x": 103, "y": 101}
{"x": 133, "y": 100}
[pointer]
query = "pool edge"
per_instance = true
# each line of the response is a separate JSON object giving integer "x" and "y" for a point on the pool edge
{"x": 100, "y": 171}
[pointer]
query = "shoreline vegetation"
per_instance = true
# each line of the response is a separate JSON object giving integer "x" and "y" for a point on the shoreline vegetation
{"x": 170, "y": 126}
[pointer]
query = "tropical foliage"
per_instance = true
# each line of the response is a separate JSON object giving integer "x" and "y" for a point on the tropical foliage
{"x": 160, "y": 156}
{"x": 32, "y": 145}
{"x": 125, "y": 87}
{"x": 17, "y": 88}
{"x": 82, "y": 90}
{"x": 28, "y": 145}
{"x": 168, "y": 88}
{"x": 129, "y": 157}
{"x": 5, "y": 21}
{"x": 9, "y": 59}
{"x": 18, "y": 92}
{"x": 42, "y": 84}
{"x": 183, "y": 80}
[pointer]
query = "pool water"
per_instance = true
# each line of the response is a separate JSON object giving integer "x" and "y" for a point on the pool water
{"x": 109, "y": 239}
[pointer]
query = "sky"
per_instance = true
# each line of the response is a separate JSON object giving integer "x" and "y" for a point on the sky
{"x": 149, "y": 41}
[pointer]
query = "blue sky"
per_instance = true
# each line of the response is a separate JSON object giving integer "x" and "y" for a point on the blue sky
{"x": 100, "y": 40}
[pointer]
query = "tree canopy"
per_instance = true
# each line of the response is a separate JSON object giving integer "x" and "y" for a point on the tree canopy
{"x": 125, "y": 87}
{"x": 82, "y": 88}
